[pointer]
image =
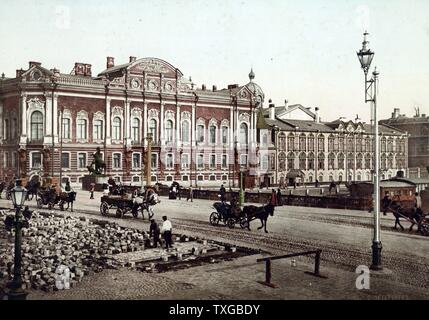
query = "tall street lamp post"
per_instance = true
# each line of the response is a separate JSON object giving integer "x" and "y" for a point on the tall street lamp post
{"x": 17, "y": 222}
{"x": 365, "y": 56}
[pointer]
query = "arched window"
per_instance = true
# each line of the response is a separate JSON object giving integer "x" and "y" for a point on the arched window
{"x": 367, "y": 144}
{"x": 282, "y": 141}
{"x": 321, "y": 143}
{"x": 225, "y": 132}
{"x": 341, "y": 161}
{"x": 302, "y": 161}
{"x": 264, "y": 140}
{"x": 302, "y": 142}
{"x": 331, "y": 143}
{"x": 185, "y": 131}
{"x": 350, "y": 161}
{"x": 359, "y": 161}
{"x": 368, "y": 161}
{"x": 291, "y": 161}
{"x": 341, "y": 143}
{"x": 36, "y": 126}
{"x": 169, "y": 130}
{"x": 243, "y": 133}
{"x": 153, "y": 130}
{"x": 350, "y": 144}
{"x": 136, "y": 130}
{"x": 390, "y": 145}
{"x": 291, "y": 142}
{"x": 383, "y": 162}
{"x": 390, "y": 162}
{"x": 383, "y": 144}
{"x": 311, "y": 161}
{"x": 331, "y": 161}
{"x": 310, "y": 142}
{"x": 282, "y": 161}
{"x": 212, "y": 131}
{"x": 321, "y": 161}
{"x": 116, "y": 134}
{"x": 359, "y": 144}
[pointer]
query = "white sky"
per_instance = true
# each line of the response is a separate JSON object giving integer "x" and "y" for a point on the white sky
{"x": 301, "y": 51}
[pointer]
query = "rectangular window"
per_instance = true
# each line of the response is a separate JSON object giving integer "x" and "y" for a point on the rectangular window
{"x": 200, "y": 161}
{"x": 14, "y": 160}
{"x": 212, "y": 134}
{"x": 65, "y": 160}
{"x": 136, "y": 160}
{"x": 200, "y": 133}
{"x": 212, "y": 161}
{"x": 169, "y": 161}
{"x": 224, "y": 134}
{"x": 185, "y": 161}
{"x": 81, "y": 160}
{"x": 116, "y": 161}
{"x": 5, "y": 159}
{"x": 81, "y": 129}
{"x": 243, "y": 160}
{"x": 224, "y": 161}
{"x": 36, "y": 160}
{"x": 154, "y": 160}
{"x": 66, "y": 128}
{"x": 98, "y": 130}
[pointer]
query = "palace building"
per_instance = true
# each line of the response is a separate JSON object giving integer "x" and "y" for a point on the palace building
{"x": 297, "y": 145}
{"x": 51, "y": 123}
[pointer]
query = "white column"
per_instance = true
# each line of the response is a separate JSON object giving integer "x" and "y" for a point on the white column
{"x": 1, "y": 120}
{"x": 145, "y": 123}
{"x": 193, "y": 120}
{"x": 108, "y": 121}
{"x": 251, "y": 127}
{"x": 161, "y": 127}
{"x": 23, "y": 107}
{"x": 178, "y": 125}
{"x": 56, "y": 118}
{"x": 255, "y": 123}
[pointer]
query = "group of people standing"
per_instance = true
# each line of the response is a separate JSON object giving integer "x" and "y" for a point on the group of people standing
{"x": 166, "y": 230}
{"x": 276, "y": 197}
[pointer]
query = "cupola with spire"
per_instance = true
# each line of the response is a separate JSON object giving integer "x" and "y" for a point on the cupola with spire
{"x": 251, "y": 75}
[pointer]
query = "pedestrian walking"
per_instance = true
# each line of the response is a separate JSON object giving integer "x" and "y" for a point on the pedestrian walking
{"x": 91, "y": 191}
{"x": 317, "y": 183}
{"x": 279, "y": 197}
{"x": 166, "y": 230}
{"x": 418, "y": 206}
{"x": 222, "y": 193}
{"x": 273, "y": 200}
{"x": 190, "y": 194}
{"x": 154, "y": 232}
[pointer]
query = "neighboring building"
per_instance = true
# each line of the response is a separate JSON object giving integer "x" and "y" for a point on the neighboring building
{"x": 296, "y": 143}
{"x": 417, "y": 128}
{"x": 51, "y": 123}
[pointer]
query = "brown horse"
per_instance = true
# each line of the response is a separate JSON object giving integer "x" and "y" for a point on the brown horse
{"x": 412, "y": 214}
{"x": 261, "y": 213}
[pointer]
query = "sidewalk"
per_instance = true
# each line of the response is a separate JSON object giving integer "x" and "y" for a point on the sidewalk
{"x": 237, "y": 279}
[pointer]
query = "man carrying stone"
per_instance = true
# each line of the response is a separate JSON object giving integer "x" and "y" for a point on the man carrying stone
{"x": 166, "y": 231}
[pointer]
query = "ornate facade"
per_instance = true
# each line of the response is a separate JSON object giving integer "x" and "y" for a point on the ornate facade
{"x": 295, "y": 142}
{"x": 51, "y": 123}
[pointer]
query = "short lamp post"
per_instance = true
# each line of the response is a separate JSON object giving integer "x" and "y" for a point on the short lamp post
{"x": 365, "y": 56}
{"x": 17, "y": 222}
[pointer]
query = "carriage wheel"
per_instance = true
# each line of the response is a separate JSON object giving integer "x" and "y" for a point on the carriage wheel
{"x": 119, "y": 213}
{"x": 231, "y": 223}
{"x": 39, "y": 203}
{"x": 244, "y": 224}
{"x": 424, "y": 228}
{"x": 104, "y": 209}
{"x": 214, "y": 219}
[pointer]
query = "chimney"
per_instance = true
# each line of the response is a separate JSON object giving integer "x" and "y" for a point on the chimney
{"x": 33, "y": 63}
{"x": 2, "y": 76}
{"x": 317, "y": 117}
{"x": 132, "y": 59}
{"x": 286, "y": 102}
{"x": 232, "y": 86}
{"x": 214, "y": 88}
{"x": 19, "y": 72}
{"x": 395, "y": 113}
{"x": 357, "y": 119}
{"x": 88, "y": 71}
{"x": 110, "y": 62}
{"x": 203, "y": 87}
{"x": 79, "y": 69}
{"x": 272, "y": 110}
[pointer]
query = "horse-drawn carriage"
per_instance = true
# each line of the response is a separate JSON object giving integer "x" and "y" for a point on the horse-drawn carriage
{"x": 125, "y": 203}
{"x": 51, "y": 197}
{"x": 228, "y": 214}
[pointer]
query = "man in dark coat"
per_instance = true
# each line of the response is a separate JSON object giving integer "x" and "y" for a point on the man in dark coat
{"x": 222, "y": 192}
{"x": 279, "y": 197}
{"x": 154, "y": 232}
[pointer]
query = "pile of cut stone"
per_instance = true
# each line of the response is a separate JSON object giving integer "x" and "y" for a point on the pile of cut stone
{"x": 58, "y": 251}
